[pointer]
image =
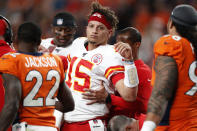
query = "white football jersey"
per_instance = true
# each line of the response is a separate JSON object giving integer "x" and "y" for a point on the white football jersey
{"x": 48, "y": 44}
{"x": 87, "y": 69}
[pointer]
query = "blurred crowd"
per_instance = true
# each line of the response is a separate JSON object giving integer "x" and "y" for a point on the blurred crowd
{"x": 148, "y": 16}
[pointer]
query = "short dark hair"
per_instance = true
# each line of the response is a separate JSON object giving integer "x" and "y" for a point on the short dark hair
{"x": 106, "y": 11}
{"x": 29, "y": 32}
{"x": 64, "y": 19}
{"x": 134, "y": 34}
{"x": 117, "y": 122}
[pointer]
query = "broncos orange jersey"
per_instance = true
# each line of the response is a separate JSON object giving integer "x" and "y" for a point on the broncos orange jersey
{"x": 40, "y": 76}
{"x": 181, "y": 113}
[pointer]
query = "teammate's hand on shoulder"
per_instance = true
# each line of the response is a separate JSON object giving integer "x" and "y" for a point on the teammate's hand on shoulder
{"x": 124, "y": 49}
{"x": 95, "y": 96}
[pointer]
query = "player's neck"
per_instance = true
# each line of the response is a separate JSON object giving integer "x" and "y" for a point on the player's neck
{"x": 135, "y": 58}
{"x": 173, "y": 31}
{"x": 24, "y": 47}
{"x": 135, "y": 55}
{"x": 92, "y": 46}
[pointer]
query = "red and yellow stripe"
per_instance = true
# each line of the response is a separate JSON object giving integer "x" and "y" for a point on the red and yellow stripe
{"x": 69, "y": 58}
{"x": 113, "y": 69}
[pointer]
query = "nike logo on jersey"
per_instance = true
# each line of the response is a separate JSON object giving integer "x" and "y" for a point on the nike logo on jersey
{"x": 84, "y": 54}
{"x": 57, "y": 50}
{"x": 149, "y": 80}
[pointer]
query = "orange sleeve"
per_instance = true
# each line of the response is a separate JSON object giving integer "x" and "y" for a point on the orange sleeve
{"x": 8, "y": 64}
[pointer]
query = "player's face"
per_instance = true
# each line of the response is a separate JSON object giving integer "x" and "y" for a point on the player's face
{"x": 63, "y": 35}
{"x": 97, "y": 33}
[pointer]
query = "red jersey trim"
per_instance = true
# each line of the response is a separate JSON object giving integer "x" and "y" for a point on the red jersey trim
{"x": 115, "y": 78}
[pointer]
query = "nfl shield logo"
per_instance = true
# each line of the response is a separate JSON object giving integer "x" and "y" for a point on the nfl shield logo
{"x": 59, "y": 21}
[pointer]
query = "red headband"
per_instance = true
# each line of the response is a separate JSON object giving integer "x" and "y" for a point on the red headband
{"x": 2, "y": 27}
{"x": 100, "y": 18}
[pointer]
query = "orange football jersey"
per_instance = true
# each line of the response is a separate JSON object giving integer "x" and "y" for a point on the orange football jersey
{"x": 40, "y": 76}
{"x": 181, "y": 113}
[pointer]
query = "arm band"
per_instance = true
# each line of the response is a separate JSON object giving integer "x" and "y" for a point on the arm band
{"x": 148, "y": 126}
{"x": 131, "y": 77}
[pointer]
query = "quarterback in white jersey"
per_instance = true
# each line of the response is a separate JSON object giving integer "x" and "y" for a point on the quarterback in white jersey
{"x": 93, "y": 61}
{"x": 87, "y": 70}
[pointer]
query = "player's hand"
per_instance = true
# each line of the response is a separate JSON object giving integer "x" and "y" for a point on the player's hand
{"x": 124, "y": 49}
{"x": 42, "y": 49}
{"x": 95, "y": 96}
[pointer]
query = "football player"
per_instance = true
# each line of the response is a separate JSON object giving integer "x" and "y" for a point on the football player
{"x": 32, "y": 81}
{"x": 173, "y": 102}
{"x": 94, "y": 61}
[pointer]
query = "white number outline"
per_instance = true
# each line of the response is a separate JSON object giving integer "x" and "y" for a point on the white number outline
{"x": 193, "y": 78}
{"x": 50, "y": 101}
{"x": 29, "y": 100}
{"x": 74, "y": 64}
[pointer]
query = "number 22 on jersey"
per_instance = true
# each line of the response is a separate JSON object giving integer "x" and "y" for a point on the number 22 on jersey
{"x": 30, "y": 99}
{"x": 78, "y": 75}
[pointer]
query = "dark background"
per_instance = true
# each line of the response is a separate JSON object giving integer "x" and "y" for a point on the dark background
{"x": 148, "y": 16}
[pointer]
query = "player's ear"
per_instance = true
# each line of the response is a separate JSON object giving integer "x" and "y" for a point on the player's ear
{"x": 111, "y": 32}
{"x": 170, "y": 24}
{"x": 16, "y": 44}
{"x": 138, "y": 44}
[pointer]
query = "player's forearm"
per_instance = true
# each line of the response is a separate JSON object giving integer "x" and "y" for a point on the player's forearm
{"x": 166, "y": 79}
{"x": 8, "y": 114}
{"x": 154, "y": 114}
{"x": 64, "y": 107}
{"x": 13, "y": 93}
{"x": 66, "y": 98}
{"x": 128, "y": 94}
{"x": 156, "y": 109}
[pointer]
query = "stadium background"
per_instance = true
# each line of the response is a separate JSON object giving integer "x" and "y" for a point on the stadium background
{"x": 148, "y": 16}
